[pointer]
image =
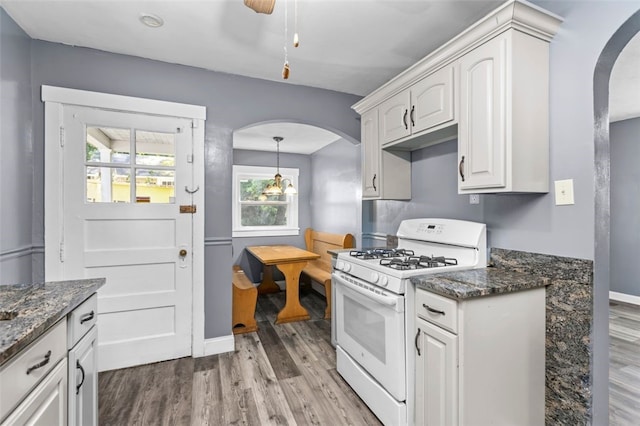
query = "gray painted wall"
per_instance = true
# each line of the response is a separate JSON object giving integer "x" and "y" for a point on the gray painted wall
{"x": 250, "y": 264}
{"x": 232, "y": 102}
{"x": 336, "y": 189}
{"x": 625, "y": 206}
{"x": 16, "y": 154}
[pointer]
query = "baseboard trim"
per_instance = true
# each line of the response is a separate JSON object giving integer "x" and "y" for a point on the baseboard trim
{"x": 219, "y": 345}
{"x": 626, "y": 298}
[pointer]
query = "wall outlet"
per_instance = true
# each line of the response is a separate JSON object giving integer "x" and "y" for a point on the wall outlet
{"x": 564, "y": 192}
{"x": 474, "y": 198}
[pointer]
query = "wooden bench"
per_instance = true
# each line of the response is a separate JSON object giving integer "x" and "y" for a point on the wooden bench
{"x": 319, "y": 270}
{"x": 245, "y": 297}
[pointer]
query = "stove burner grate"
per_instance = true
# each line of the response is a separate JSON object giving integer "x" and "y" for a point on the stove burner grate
{"x": 380, "y": 253}
{"x": 418, "y": 262}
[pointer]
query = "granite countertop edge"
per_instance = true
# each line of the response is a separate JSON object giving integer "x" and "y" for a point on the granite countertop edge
{"x": 474, "y": 283}
{"x": 39, "y": 308}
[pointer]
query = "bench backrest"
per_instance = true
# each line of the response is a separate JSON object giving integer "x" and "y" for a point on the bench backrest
{"x": 320, "y": 242}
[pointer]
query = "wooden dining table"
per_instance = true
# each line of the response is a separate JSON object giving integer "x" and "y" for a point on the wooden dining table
{"x": 290, "y": 261}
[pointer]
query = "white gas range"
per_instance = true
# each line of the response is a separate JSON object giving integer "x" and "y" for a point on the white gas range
{"x": 374, "y": 306}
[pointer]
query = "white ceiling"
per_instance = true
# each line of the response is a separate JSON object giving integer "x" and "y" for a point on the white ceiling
{"x": 351, "y": 46}
{"x": 624, "y": 91}
{"x": 298, "y": 138}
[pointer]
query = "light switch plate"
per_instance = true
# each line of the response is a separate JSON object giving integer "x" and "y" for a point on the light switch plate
{"x": 564, "y": 192}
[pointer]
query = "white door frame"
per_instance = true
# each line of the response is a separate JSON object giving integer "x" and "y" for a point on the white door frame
{"x": 54, "y": 99}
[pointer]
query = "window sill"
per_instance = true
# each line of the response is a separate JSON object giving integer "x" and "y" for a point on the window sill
{"x": 265, "y": 232}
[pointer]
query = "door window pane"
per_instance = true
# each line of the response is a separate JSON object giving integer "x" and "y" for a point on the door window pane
{"x": 108, "y": 185}
{"x": 155, "y": 186}
{"x": 155, "y": 149}
{"x": 107, "y": 145}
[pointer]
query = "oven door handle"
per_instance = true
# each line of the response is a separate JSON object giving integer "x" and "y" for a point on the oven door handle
{"x": 381, "y": 299}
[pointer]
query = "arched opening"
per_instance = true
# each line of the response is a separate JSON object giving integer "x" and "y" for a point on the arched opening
{"x": 602, "y": 255}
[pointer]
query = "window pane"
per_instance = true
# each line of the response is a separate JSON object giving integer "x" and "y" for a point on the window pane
{"x": 108, "y": 185}
{"x": 155, "y": 186}
{"x": 107, "y": 145}
{"x": 155, "y": 149}
{"x": 251, "y": 190}
{"x": 264, "y": 215}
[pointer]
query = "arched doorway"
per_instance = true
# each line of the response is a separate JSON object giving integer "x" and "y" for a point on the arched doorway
{"x": 602, "y": 77}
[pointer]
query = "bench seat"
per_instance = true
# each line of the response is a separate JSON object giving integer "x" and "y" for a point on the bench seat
{"x": 319, "y": 270}
{"x": 245, "y": 297}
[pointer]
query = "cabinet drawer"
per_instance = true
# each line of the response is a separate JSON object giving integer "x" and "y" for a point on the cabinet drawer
{"x": 15, "y": 383}
{"x": 437, "y": 310}
{"x": 82, "y": 319}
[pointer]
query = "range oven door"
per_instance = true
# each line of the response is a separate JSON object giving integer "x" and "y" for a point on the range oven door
{"x": 370, "y": 328}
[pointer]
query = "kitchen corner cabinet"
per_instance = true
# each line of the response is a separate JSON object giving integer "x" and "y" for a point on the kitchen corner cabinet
{"x": 385, "y": 175}
{"x": 426, "y": 104}
{"x": 503, "y": 139}
{"x": 480, "y": 361}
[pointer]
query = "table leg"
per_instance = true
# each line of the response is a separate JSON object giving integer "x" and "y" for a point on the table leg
{"x": 293, "y": 310}
{"x": 268, "y": 285}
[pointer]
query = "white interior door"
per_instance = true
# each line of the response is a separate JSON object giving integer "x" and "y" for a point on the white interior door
{"x": 125, "y": 176}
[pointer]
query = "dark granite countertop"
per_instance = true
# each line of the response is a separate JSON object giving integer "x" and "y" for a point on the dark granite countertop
{"x": 478, "y": 282}
{"x": 27, "y": 311}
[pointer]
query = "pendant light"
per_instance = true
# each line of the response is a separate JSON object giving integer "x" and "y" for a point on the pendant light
{"x": 275, "y": 188}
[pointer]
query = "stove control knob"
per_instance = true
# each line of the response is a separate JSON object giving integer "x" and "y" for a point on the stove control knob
{"x": 374, "y": 277}
{"x": 384, "y": 281}
{"x": 347, "y": 267}
{"x": 340, "y": 265}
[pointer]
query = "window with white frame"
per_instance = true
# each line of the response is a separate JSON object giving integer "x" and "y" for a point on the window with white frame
{"x": 257, "y": 215}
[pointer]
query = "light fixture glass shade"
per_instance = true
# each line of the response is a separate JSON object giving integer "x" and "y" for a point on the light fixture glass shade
{"x": 275, "y": 188}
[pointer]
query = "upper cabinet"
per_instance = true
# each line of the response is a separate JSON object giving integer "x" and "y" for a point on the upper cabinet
{"x": 426, "y": 104}
{"x": 489, "y": 88}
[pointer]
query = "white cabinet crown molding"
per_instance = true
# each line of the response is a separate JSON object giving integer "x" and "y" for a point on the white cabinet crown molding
{"x": 517, "y": 14}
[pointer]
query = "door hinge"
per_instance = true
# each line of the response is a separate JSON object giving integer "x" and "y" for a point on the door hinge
{"x": 190, "y": 158}
{"x": 61, "y": 136}
{"x": 194, "y": 124}
{"x": 178, "y": 129}
{"x": 188, "y": 208}
{"x": 61, "y": 252}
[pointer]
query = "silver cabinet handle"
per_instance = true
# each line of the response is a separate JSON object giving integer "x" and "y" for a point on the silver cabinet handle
{"x": 435, "y": 311}
{"x": 416, "y": 342}
{"x": 42, "y": 363}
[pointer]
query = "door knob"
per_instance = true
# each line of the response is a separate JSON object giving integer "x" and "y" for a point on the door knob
{"x": 183, "y": 253}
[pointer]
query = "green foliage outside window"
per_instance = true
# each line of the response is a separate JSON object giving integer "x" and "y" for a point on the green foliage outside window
{"x": 257, "y": 212}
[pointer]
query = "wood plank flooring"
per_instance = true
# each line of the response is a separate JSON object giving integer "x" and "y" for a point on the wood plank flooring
{"x": 624, "y": 364}
{"x": 282, "y": 374}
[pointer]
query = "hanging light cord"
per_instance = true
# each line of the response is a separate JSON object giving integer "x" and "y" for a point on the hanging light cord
{"x": 278, "y": 156}
{"x": 285, "y": 68}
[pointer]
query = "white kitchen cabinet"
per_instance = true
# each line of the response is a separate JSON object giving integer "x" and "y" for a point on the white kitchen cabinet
{"x": 503, "y": 131}
{"x": 33, "y": 384}
{"x": 83, "y": 363}
{"x": 481, "y": 360}
{"x": 385, "y": 175}
{"x": 46, "y": 405}
{"x": 425, "y": 105}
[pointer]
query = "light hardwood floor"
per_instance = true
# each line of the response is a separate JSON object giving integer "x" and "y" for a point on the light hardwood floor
{"x": 624, "y": 369}
{"x": 282, "y": 374}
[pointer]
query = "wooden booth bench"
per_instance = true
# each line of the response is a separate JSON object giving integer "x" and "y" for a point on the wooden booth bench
{"x": 245, "y": 297}
{"x": 319, "y": 270}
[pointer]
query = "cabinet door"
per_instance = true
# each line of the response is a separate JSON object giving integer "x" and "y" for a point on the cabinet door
{"x": 432, "y": 100}
{"x": 46, "y": 405}
{"x": 370, "y": 155}
{"x": 436, "y": 376}
{"x": 83, "y": 381}
{"x": 483, "y": 110}
{"x": 394, "y": 118}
